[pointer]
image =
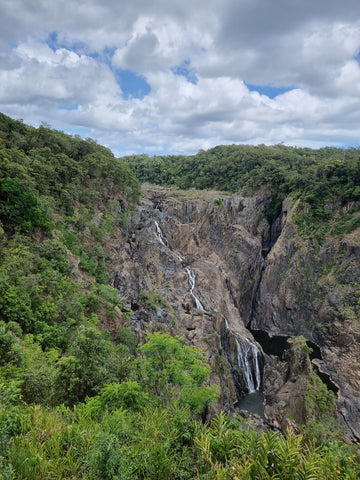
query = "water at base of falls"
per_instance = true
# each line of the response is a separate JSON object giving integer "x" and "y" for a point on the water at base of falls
{"x": 252, "y": 403}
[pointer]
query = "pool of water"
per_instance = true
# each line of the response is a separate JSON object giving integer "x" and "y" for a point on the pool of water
{"x": 252, "y": 403}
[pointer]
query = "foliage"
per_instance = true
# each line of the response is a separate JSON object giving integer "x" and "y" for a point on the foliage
{"x": 153, "y": 299}
{"x": 38, "y": 372}
{"x": 90, "y": 362}
{"x": 125, "y": 395}
{"x": 177, "y": 372}
{"x": 319, "y": 400}
{"x": 127, "y": 337}
{"x": 61, "y": 198}
{"x": 10, "y": 351}
{"x": 321, "y": 426}
{"x": 163, "y": 443}
{"x": 19, "y": 209}
{"x": 74, "y": 404}
{"x": 319, "y": 178}
{"x": 300, "y": 346}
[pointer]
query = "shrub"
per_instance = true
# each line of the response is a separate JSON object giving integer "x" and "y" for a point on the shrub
{"x": 127, "y": 337}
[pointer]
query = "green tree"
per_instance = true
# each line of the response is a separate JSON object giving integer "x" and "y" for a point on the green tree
{"x": 10, "y": 351}
{"x": 177, "y": 372}
{"x": 19, "y": 208}
{"x": 127, "y": 337}
{"x": 90, "y": 362}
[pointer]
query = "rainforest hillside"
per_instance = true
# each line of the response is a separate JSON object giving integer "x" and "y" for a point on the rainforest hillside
{"x": 79, "y": 397}
{"x": 314, "y": 176}
{"x": 245, "y": 168}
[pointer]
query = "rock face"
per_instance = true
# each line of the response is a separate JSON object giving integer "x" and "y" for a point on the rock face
{"x": 194, "y": 262}
{"x": 313, "y": 290}
{"x": 197, "y": 261}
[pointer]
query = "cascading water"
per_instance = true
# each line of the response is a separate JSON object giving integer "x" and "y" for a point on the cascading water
{"x": 191, "y": 273}
{"x": 245, "y": 359}
{"x": 248, "y": 356}
{"x": 160, "y": 234}
{"x": 192, "y": 277}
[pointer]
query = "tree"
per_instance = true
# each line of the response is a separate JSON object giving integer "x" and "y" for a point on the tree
{"x": 10, "y": 351}
{"x": 176, "y": 372}
{"x": 19, "y": 208}
{"x": 91, "y": 362}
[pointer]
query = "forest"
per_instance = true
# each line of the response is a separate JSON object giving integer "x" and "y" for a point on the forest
{"x": 79, "y": 402}
{"x": 322, "y": 179}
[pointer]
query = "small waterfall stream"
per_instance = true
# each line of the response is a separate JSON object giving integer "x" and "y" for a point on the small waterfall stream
{"x": 160, "y": 235}
{"x": 190, "y": 272}
{"x": 192, "y": 277}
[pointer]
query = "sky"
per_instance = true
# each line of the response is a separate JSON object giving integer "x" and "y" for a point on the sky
{"x": 177, "y": 76}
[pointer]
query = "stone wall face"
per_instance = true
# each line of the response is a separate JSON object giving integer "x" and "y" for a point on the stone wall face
{"x": 254, "y": 276}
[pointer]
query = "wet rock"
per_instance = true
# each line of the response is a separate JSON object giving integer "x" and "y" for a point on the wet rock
{"x": 250, "y": 273}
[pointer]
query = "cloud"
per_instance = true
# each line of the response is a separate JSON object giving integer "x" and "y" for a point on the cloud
{"x": 40, "y": 74}
{"x": 175, "y": 77}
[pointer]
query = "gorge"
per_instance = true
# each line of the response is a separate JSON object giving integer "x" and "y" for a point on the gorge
{"x": 222, "y": 276}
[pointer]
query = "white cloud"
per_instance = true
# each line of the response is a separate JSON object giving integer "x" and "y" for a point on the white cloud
{"x": 40, "y": 74}
{"x": 308, "y": 46}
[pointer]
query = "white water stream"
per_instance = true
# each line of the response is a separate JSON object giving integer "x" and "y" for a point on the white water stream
{"x": 248, "y": 356}
{"x": 192, "y": 278}
{"x": 160, "y": 234}
{"x": 190, "y": 273}
{"x": 249, "y": 360}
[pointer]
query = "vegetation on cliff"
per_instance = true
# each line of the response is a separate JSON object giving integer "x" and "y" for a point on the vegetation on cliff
{"x": 314, "y": 176}
{"x": 74, "y": 403}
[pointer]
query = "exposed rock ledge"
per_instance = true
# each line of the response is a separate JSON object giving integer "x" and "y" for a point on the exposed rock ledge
{"x": 293, "y": 291}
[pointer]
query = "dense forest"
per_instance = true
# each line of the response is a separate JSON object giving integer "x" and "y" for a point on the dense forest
{"x": 244, "y": 168}
{"x": 79, "y": 403}
{"x": 322, "y": 179}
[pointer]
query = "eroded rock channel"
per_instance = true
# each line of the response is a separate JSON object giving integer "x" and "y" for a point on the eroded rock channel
{"x": 209, "y": 267}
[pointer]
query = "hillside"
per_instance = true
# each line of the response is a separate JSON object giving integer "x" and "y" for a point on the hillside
{"x": 91, "y": 267}
{"x": 314, "y": 176}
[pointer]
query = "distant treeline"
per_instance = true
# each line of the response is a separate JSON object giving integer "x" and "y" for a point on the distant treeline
{"x": 313, "y": 176}
{"x": 304, "y": 172}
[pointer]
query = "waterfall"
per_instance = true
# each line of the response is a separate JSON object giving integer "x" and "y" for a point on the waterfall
{"x": 192, "y": 276}
{"x": 160, "y": 234}
{"x": 189, "y": 271}
{"x": 246, "y": 361}
{"x": 248, "y": 358}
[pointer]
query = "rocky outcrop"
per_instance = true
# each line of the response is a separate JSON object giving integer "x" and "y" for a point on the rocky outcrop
{"x": 313, "y": 290}
{"x": 195, "y": 259}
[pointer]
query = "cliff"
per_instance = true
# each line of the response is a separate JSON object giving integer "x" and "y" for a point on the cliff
{"x": 207, "y": 266}
{"x": 313, "y": 290}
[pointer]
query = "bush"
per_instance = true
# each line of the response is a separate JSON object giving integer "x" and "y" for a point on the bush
{"x": 153, "y": 299}
{"x": 127, "y": 337}
{"x": 125, "y": 395}
{"x": 176, "y": 372}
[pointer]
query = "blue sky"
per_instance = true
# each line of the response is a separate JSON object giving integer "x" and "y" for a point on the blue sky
{"x": 132, "y": 85}
{"x": 269, "y": 90}
{"x": 176, "y": 77}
